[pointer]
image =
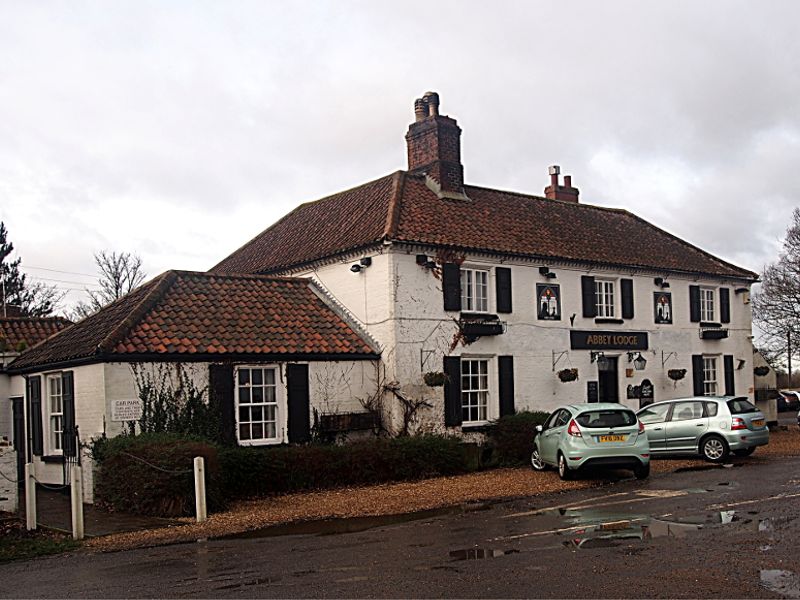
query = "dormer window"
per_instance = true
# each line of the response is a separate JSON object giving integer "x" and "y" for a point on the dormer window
{"x": 474, "y": 290}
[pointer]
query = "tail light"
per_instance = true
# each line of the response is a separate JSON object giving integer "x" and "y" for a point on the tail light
{"x": 641, "y": 427}
{"x": 738, "y": 423}
{"x": 573, "y": 429}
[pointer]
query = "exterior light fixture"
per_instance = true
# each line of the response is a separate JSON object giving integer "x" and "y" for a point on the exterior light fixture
{"x": 361, "y": 264}
{"x": 603, "y": 362}
{"x": 356, "y": 268}
{"x": 639, "y": 363}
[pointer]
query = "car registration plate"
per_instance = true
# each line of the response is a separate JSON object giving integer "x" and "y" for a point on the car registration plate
{"x": 758, "y": 422}
{"x": 612, "y": 438}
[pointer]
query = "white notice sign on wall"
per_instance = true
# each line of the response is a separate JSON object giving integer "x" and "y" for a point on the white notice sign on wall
{"x": 126, "y": 410}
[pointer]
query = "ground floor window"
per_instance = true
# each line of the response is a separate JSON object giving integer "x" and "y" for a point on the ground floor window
{"x": 474, "y": 390}
{"x": 259, "y": 418}
{"x": 55, "y": 411}
{"x": 710, "y": 375}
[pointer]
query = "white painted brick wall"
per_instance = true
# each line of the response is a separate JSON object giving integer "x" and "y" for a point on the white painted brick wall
{"x": 9, "y": 501}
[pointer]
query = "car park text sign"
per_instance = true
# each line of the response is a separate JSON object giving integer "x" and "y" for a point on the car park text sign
{"x": 126, "y": 410}
{"x": 608, "y": 340}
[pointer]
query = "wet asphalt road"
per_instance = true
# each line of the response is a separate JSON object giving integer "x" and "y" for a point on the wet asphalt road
{"x": 716, "y": 532}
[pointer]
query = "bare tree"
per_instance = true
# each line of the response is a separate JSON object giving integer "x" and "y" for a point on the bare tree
{"x": 776, "y": 307}
{"x": 119, "y": 274}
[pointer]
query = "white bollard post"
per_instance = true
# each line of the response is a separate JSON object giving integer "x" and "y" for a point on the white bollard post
{"x": 30, "y": 497}
{"x": 200, "y": 489}
{"x": 76, "y": 496}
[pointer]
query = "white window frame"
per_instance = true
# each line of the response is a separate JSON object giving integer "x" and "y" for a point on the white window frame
{"x": 710, "y": 375}
{"x": 471, "y": 300}
{"x": 605, "y": 298}
{"x": 479, "y": 397}
{"x": 278, "y": 404}
{"x": 707, "y": 301}
{"x": 55, "y": 418}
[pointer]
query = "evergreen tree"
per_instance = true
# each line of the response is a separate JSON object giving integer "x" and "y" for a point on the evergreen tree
{"x": 18, "y": 296}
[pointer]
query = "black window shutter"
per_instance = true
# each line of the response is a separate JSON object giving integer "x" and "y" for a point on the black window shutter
{"x": 697, "y": 374}
{"x": 587, "y": 293}
{"x": 221, "y": 387}
{"x": 694, "y": 303}
{"x": 505, "y": 365}
{"x": 452, "y": 391}
{"x": 35, "y": 415}
{"x": 299, "y": 403}
{"x": 69, "y": 444}
{"x": 730, "y": 389}
{"x": 725, "y": 305}
{"x": 451, "y": 286}
{"x": 626, "y": 286}
{"x": 503, "y": 275}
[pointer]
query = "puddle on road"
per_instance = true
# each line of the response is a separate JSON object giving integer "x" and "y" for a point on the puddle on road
{"x": 480, "y": 553}
{"x": 339, "y": 526}
{"x": 785, "y": 583}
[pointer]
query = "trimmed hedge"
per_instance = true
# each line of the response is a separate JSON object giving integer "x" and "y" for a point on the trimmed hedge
{"x": 512, "y": 436}
{"x": 128, "y": 484}
{"x": 165, "y": 486}
{"x": 249, "y": 472}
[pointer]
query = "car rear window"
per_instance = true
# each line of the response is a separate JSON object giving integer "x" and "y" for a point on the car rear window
{"x": 740, "y": 406}
{"x": 606, "y": 418}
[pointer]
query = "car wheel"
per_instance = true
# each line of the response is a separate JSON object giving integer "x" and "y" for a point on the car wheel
{"x": 745, "y": 451}
{"x": 536, "y": 460}
{"x": 642, "y": 471}
{"x": 714, "y": 449}
{"x": 563, "y": 468}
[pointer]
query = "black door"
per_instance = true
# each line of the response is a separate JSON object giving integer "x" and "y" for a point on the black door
{"x": 19, "y": 437}
{"x": 609, "y": 384}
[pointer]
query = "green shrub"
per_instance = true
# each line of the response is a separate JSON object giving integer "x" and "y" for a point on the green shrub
{"x": 151, "y": 474}
{"x": 250, "y": 472}
{"x": 512, "y": 437}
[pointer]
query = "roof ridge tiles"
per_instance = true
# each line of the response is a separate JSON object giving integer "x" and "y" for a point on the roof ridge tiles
{"x": 160, "y": 284}
{"x": 398, "y": 185}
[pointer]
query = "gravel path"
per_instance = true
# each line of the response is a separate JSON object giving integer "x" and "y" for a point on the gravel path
{"x": 398, "y": 498}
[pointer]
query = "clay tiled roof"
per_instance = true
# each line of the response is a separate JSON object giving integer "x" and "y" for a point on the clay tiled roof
{"x": 18, "y": 333}
{"x": 183, "y": 314}
{"x": 401, "y": 207}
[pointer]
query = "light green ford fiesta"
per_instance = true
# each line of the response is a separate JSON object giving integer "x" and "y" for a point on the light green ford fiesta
{"x": 580, "y": 436}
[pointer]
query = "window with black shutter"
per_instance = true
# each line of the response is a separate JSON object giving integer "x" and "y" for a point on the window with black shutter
{"x": 299, "y": 403}
{"x": 697, "y": 375}
{"x": 503, "y": 282}
{"x": 626, "y": 287}
{"x": 70, "y": 439}
{"x": 221, "y": 388}
{"x": 452, "y": 391}
{"x": 694, "y": 303}
{"x": 505, "y": 366}
{"x": 588, "y": 296}
{"x": 730, "y": 388}
{"x": 451, "y": 286}
{"x": 35, "y": 415}
{"x": 724, "y": 305}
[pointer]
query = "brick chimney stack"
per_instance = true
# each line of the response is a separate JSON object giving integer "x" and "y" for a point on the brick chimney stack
{"x": 434, "y": 145}
{"x": 555, "y": 191}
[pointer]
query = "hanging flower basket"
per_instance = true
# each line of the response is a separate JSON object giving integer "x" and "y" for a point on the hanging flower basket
{"x": 761, "y": 371}
{"x": 676, "y": 374}
{"x": 434, "y": 378}
{"x": 566, "y": 375}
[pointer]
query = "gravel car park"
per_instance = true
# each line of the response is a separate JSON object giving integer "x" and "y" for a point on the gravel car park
{"x": 712, "y": 427}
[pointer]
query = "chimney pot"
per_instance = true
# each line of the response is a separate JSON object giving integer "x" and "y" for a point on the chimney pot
{"x": 432, "y": 99}
{"x": 555, "y": 191}
{"x": 420, "y": 109}
{"x": 554, "y": 170}
{"x": 568, "y": 181}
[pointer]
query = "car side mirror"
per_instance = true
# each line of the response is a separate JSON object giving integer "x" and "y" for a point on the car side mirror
{"x": 539, "y": 429}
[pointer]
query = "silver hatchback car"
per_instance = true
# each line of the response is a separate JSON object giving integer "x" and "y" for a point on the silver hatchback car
{"x": 591, "y": 435}
{"x": 709, "y": 426}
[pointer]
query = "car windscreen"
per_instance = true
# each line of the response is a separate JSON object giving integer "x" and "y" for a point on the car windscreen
{"x": 739, "y": 406}
{"x": 606, "y": 418}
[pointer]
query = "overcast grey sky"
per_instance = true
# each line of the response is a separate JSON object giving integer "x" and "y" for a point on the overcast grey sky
{"x": 179, "y": 130}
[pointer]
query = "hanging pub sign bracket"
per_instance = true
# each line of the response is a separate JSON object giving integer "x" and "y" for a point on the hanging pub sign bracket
{"x": 557, "y": 356}
{"x": 667, "y": 356}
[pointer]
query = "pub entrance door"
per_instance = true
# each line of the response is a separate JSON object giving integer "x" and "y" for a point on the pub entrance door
{"x": 609, "y": 381}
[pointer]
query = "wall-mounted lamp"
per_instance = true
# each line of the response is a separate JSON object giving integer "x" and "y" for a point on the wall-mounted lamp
{"x": 639, "y": 363}
{"x": 424, "y": 261}
{"x": 661, "y": 282}
{"x": 603, "y": 362}
{"x": 546, "y": 272}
